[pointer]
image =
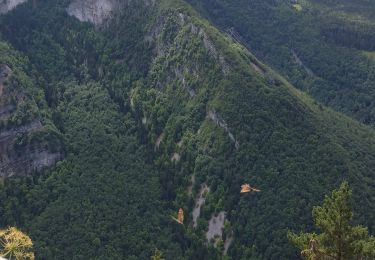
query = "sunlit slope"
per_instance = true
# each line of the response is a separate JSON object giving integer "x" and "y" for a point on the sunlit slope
{"x": 318, "y": 45}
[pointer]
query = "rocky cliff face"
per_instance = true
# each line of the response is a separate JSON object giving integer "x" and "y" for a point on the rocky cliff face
{"x": 98, "y": 11}
{"x": 7, "y": 5}
{"x": 23, "y": 147}
{"x": 93, "y": 11}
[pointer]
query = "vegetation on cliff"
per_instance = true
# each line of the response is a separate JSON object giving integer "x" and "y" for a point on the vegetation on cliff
{"x": 154, "y": 105}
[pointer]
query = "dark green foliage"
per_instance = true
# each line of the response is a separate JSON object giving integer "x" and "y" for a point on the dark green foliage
{"x": 338, "y": 239}
{"x": 328, "y": 37}
{"x": 163, "y": 75}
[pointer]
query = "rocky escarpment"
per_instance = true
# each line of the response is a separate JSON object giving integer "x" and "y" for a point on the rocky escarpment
{"x": 18, "y": 159}
{"x": 97, "y": 11}
{"x": 215, "y": 117}
{"x": 8, "y": 5}
{"x": 24, "y": 142}
{"x": 93, "y": 11}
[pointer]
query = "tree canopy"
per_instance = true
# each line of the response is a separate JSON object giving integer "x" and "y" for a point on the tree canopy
{"x": 338, "y": 238}
{"x": 155, "y": 108}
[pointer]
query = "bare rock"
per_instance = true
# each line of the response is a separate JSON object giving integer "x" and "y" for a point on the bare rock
{"x": 215, "y": 228}
{"x": 8, "y": 5}
{"x": 219, "y": 121}
{"x": 93, "y": 11}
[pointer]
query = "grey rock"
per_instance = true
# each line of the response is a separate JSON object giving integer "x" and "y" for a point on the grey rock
{"x": 8, "y": 5}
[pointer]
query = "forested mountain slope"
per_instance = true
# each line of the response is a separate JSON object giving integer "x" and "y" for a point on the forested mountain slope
{"x": 28, "y": 139}
{"x": 155, "y": 107}
{"x": 323, "y": 47}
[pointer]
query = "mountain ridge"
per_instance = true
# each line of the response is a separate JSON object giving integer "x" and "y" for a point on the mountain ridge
{"x": 157, "y": 107}
{"x": 324, "y": 35}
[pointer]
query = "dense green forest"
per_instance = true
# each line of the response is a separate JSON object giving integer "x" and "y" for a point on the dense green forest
{"x": 157, "y": 102}
{"x": 323, "y": 47}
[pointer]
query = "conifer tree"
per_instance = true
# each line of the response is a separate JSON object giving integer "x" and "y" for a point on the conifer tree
{"x": 338, "y": 239}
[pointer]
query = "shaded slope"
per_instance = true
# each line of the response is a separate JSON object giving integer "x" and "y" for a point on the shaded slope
{"x": 29, "y": 141}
